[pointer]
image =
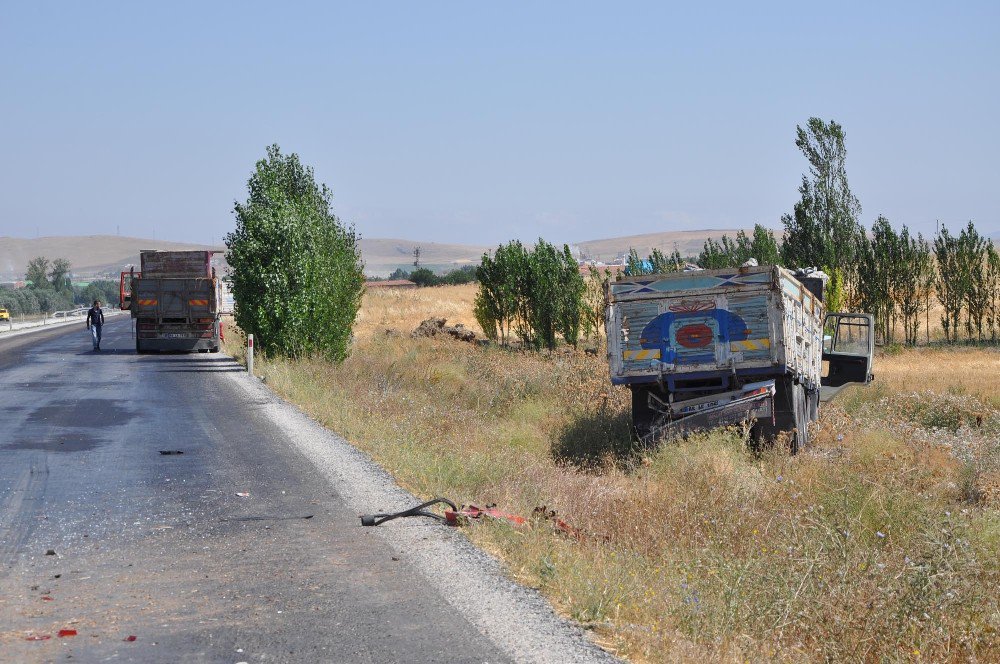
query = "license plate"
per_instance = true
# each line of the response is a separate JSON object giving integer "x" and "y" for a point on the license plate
{"x": 175, "y": 335}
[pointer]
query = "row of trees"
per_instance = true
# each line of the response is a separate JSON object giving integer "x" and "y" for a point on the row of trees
{"x": 968, "y": 282}
{"x": 895, "y": 275}
{"x": 536, "y": 294}
{"x": 49, "y": 288}
{"x": 423, "y": 276}
{"x": 761, "y": 245}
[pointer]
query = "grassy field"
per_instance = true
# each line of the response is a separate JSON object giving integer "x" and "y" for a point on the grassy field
{"x": 881, "y": 542}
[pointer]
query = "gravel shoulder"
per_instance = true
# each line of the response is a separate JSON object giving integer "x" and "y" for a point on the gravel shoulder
{"x": 518, "y": 620}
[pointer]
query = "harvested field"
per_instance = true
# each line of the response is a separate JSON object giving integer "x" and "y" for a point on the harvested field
{"x": 881, "y": 542}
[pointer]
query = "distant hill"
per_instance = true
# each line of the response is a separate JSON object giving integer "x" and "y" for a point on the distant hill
{"x": 689, "y": 243}
{"x": 107, "y": 254}
{"x": 382, "y": 256}
{"x": 88, "y": 255}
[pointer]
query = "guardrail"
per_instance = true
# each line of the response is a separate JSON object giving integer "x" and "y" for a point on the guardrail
{"x": 70, "y": 312}
{"x": 52, "y": 318}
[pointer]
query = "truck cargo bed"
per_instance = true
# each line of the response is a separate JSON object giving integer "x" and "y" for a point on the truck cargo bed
{"x": 686, "y": 326}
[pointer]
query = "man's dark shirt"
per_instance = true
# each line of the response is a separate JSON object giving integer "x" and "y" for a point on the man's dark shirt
{"x": 95, "y": 317}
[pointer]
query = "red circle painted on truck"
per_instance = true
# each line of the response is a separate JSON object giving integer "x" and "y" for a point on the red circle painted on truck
{"x": 695, "y": 335}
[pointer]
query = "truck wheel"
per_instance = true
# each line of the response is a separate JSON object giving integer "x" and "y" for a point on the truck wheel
{"x": 138, "y": 348}
{"x": 642, "y": 414}
{"x": 213, "y": 349}
{"x": 763, "y": 434}
{"x": 800, "y": 403}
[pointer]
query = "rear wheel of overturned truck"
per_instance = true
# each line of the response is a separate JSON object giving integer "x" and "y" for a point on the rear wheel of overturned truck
{"x": 793, "y": 410}
{"x": 642, "y": 415}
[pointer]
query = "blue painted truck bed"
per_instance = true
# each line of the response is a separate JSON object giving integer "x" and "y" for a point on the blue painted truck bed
{"x": 699, "y": 324}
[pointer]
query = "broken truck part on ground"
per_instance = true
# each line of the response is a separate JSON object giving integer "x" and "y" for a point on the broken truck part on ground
{"x": 706, "y": 348}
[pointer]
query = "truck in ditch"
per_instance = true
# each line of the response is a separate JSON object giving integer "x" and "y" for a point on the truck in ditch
{"x": 175, "y": 302}
{"x": 752, "y": 345}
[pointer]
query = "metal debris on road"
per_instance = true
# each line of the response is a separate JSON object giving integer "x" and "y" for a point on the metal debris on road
{"x": 419, "y": 510}
{"x": 266, "y": 518}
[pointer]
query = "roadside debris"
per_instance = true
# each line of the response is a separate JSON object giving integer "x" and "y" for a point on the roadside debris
{"x": 456, "y": 517}
{"x": 171, "y": 452}
{"x": 50, "y": 552}
{"x": 560, "y": 526}
{"x": 433, "y": 327}
{"x": 66, "y": 632}
{"x": 243, "y": 494}
{"x": 267, "y": 518}
{"x": 129, "y": 638}
{"x": 38, "y": 637}
{"x": 419, "y": 510}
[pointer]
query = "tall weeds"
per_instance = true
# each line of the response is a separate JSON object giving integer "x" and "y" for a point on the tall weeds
{"x": 865, "y": 547}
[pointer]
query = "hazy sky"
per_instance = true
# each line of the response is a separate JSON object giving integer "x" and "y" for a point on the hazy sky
{"x": 479, "y": 122}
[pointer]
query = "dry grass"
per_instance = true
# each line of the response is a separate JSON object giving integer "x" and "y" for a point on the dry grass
{"x": 958, "y": 370}
{"x": 873, "y": 545}
{"x": 402, "y": 310}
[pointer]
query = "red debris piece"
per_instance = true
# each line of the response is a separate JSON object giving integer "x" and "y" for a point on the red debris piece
{"x": 38, "y": 637}
{"x": 67, "y": 632}
{"x": 129, "y": 638}
{"x": 47, "y": 598}
{"x": 475, "y": 512}
{"x": 558, "y": 524}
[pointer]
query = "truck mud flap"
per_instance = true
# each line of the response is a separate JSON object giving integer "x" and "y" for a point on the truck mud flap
{"x": 754, "y": 402}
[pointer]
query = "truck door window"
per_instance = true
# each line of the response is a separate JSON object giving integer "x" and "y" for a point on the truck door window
{"x": 852, "y": 336}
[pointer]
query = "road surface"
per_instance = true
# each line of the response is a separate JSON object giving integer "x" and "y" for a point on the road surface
{"x": 102, "y": 534}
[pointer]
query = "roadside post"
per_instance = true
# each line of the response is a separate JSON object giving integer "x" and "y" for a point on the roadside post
{"x": 250, "y": 354}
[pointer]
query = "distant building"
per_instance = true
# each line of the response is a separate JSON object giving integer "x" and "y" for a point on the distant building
{"x": 391, "y": 283}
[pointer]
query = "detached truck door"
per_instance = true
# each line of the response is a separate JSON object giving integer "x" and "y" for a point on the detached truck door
{"x": 848, "y": 346}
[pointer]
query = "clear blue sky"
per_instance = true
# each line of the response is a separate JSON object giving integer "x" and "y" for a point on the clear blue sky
{"x": 479, "y": 122}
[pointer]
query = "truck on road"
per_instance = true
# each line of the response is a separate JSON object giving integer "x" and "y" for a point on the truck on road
{"x": 706, "y": 348}
{"x": 174, "y": 301}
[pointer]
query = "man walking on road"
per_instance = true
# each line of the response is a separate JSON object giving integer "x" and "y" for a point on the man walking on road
{"x": 95, "y": 321}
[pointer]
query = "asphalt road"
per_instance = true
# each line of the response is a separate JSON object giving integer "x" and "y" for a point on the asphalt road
{"x": 164, "y": 549}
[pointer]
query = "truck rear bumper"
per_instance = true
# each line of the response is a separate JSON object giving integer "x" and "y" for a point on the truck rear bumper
{"x": 179, "y": 344}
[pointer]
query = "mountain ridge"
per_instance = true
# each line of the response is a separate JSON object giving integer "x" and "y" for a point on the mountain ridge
{"x": 91, "y": 255}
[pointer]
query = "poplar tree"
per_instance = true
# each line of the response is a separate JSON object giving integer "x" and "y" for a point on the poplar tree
{"x": 297, "y": 275}
{"x": 823, "y": 229}
{"x": 949, "y": 285}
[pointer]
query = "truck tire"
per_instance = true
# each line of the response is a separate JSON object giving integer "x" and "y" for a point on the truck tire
{"x": 139, "y": 350}
{"x": 801, "y": 412}
{"x": 789, "y": 412}
{"x": 813, "y": 398}
{"x": 642, "y": 414}
{"x": 213, "y": 349}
